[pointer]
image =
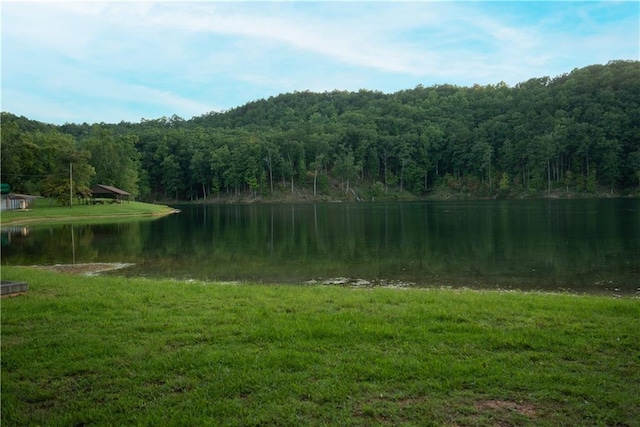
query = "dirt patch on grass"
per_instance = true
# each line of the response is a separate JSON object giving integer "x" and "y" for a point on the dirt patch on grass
{"x": 87, "y": 269}
{"x": 503, "y": 413}
{"x": 526, "y": 409}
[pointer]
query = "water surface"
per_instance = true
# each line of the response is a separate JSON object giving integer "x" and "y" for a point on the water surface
{"x": 575, "y": 245}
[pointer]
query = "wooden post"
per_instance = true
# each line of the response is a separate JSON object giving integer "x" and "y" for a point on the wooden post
{"x": 70, "y": 184}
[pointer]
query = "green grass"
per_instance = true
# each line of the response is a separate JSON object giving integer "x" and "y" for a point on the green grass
{"x": 43, "y": 213}
{"x": 112, "y": 351}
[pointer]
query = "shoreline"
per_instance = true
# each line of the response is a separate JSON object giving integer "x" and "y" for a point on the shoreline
{"x": 44, "y": 220}
{"x": 280, "y": 198}
{"x": 44, "y": 214}
{"x": 96, "y": 268}
{"x": 84, "y": 269}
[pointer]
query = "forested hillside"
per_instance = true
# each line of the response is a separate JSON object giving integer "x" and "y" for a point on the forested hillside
{"x": 575, "y": 133}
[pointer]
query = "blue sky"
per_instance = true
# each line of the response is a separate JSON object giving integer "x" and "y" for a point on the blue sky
{"x": 111, "y": 61}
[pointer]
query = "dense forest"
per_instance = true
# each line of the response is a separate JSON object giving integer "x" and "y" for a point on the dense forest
{"x": 577, "y": 133}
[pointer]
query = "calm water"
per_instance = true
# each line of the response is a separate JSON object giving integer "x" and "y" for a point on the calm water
{"x": 576, "y": 245}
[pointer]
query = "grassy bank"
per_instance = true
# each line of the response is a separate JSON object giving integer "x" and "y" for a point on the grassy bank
{"x": 110, "y": 351}
{"x": 43, "y": 212}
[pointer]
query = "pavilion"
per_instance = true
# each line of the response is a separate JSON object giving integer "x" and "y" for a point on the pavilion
{"x": 109, "y": 192}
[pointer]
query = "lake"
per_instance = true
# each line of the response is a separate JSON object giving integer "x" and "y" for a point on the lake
{"x": 574, "y": 245}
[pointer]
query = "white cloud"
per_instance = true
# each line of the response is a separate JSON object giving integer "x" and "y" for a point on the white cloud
{"x": 145, "y": 58}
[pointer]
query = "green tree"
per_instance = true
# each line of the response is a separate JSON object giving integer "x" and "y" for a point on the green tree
{"x": 19, "y": 157}
{"x": 172, "y": 177}
{"x": 220, "y": 159}
{"x": 345, "y": 168}
{"x": 70, "y": 173}
{"x": 114, "y": 158}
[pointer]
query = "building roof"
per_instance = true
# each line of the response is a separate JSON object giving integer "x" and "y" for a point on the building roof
{"x": 107, "y": 189}
{"x": 15, "y": 196}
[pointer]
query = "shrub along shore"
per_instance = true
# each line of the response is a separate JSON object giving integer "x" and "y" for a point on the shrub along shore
{"x": 79, "y": 350}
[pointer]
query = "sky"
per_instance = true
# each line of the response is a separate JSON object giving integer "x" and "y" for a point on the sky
{"x": 75, "y": 62}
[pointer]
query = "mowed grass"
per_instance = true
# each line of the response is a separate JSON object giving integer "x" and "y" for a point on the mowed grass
{"x": 43, "y": 213}
{"x": 111, "y": 351}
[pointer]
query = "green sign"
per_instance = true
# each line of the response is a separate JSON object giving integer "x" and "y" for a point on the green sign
{"x": 4, "y": 188}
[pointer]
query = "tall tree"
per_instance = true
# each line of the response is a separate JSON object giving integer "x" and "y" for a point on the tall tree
{"x": 114, "y": 158}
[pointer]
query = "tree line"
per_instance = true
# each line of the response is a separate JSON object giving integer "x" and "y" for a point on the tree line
{"x": 577, "y": 132}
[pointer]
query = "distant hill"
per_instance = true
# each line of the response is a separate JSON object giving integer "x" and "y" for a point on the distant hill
{"x": 578, "y": 133}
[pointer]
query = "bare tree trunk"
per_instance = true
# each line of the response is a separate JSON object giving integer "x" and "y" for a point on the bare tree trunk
{"x": 269, "y": 165}
{"x": 315, "y": 180}
{"x": 548, "y": 177}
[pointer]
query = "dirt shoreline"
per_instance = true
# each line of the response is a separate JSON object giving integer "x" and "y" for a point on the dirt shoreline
{"x": 87, "y": 269}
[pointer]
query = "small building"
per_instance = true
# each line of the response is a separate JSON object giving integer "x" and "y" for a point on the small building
{"x": 12, "y": 202}
{"x": 109, "y": 192}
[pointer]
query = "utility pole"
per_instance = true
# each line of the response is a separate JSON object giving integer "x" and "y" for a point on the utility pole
{"x": 70, "y": 184}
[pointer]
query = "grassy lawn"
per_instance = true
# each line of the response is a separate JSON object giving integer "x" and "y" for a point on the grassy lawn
{"x": 42, "y": 212}
{"x": 111, "y": 351}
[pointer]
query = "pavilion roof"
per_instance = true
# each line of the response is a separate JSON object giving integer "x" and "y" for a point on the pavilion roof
{"x": 107, "y": 189}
